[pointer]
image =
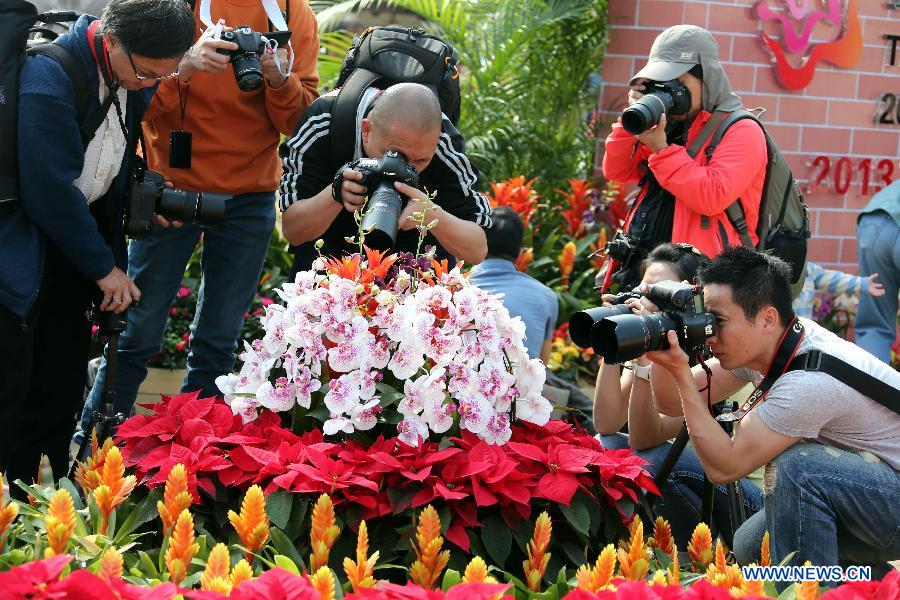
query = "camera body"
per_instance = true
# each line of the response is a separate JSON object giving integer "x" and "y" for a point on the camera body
{"x": 382, "y": 213}
{"x": 245, "y": 58}
{"x": 149, "y": 196}
{"x": 623, "y": 337}
{"x": 669, "y": 97}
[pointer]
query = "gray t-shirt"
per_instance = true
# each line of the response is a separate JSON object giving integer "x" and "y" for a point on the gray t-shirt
{"x": 815, "y": 406}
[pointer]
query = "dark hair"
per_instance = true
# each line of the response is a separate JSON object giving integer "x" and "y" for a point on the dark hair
{"x": 504, "y": 236}
{"x": 757, "y": 279}
{"x": 684, "y": 258}
{"x": 697, "y": 71}
{"x": 151, "y": 28}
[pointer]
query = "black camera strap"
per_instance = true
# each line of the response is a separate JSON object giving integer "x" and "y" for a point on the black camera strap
{"x": 781, "y": 361}
{"x": 864, "y": 383}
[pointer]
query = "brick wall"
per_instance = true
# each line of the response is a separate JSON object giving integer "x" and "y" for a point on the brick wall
{"x": 833, "y": 116}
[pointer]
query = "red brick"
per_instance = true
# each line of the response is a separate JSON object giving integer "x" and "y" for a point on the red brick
{"x": 874, "y": 29}
{"x": 873, "y": 9}
{"x": 767, "y": 83}
{"x": 855, "y": 200}
{"x": 661, "y": 13}
{"x": 824, "y": 31}
{"x": 742, "y": 77}
{"x": 750, "y": 49}
{"x": 622, "y": 12}
{"x": 874, "y": 59}
{"x": 850, "y": 113}
{"x": 801, "y": 110}
{"x": 786, "y": 136}
{"x": 848, "y": 251}
{"x": 731, "y": 19}
{"x": 635, "y": 42}
{"x": 696, "y": 13}
{"x": 876, "y": 143}
{"x": 618, "y": 69}
{"x": 838, "y": 222}
{"x": 823, "y": 196}
{"x": 830, "y": 140}
{"x": 614, "y": 98}
{"x": 873, "y": 86}
{"x": 823, "y": 250}
{"x": 799, "y": 164}
{"x": 769, "y": 102}
{"x": 832, "y": 84}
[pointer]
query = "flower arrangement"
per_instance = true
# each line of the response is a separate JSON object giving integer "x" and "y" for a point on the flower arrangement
{"x": 380, "y": 337}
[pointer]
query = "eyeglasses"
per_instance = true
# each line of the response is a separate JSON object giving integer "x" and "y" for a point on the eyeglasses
{"x": 140, "y": 77}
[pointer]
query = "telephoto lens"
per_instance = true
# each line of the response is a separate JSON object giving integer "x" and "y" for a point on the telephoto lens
{"x": 669, "y": 97}
{"x": 382, "y": 218}
{"x": 206, "y": 209}
{"x": 625, "y": 337}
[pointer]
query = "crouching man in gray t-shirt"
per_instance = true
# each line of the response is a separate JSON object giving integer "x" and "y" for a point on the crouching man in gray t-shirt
{"x": 834, "y": 497}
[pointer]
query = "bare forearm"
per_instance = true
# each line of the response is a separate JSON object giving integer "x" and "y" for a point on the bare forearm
{"x": 646, "y": 427}
{"x": 610, "y": 403}
{"x": 665, "y": 393}
{"x": 308, "y": 219}
{"x": 462, "y": 239}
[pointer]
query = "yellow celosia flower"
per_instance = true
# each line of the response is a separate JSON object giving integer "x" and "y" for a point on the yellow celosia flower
{"x": 567, "y": 262}
{"x": 674, "y": 570}
{"x": 88, "y": 473}
{"x": 635, "y": 563}
{"x": 242, "y": 571}
{"x": 430, "y": 560}
{"x": 182, "y": 548}
{"x": 114, "y": 486}
{"x": 597, "y": 578}
{"x": 360, "y": 573}
{"x": 59, "y": 523}
{"x": 700, "y": 547}
{"x": 660, "y": 577}
{"x": 477, "y": 572}
{"x": 721, "y": 563}
{"x": 662, "y": 536}
{"x": 215, "y": 577}
{"x": 753, "y": 587}
{"x": 323, "y": 532}
{"x": 176, "y": 497}
{"x": 808, "y": 590}
{"x": 8, "y": 512}
{"x": 252, "y": 525}
{"x": 765, "y": 556}
{"x": 323, "y": 582}
{"x": 538, "y": 557}
{"x": 110, "y": 565}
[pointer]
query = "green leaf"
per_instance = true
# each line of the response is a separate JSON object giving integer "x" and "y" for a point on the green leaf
{"x": 577, "y": 514}
{"x": 66, "y": 484}
{"x": 286, "y": 547}
{"x": 148, "y": 569}
{"x": 144, "y": 512}
{"x": 789, "y": 593}
{"x": 287, "y": 564}
{"x": 451, "y": 578}
{"x": 278, "y": 507}
{"x": 497, "y": 539}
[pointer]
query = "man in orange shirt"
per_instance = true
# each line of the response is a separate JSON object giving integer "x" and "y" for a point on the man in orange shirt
{"x": 233, "y": 139}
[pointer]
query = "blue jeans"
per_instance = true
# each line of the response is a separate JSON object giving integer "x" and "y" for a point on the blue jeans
{"x": 831, "y": 506}
{"x": 682, "y": 495}
{"x": 878, "y": 237}
{"x": 231, "y": 263}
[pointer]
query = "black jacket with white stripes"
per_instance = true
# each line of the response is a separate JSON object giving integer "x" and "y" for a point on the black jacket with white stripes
{"x": 308, "y": 168}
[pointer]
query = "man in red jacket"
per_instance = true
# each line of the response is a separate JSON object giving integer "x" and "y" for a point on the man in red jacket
{"x": 683, "y": 197}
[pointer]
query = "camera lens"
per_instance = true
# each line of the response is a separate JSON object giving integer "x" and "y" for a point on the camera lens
{"x": 178, "y": 205}
{"x": 211, "y": 209}
{"x": 646, "y": 112}
{"x": 248, "y": 72}
{"x": 582, "y": 323}
{"x": 625, "y": 337}
{"x": 382, "y": 216}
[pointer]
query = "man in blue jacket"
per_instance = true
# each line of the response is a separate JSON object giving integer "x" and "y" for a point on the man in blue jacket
{"x": 53, "y": 257}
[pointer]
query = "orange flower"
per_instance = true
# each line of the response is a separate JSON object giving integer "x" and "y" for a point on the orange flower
{"x": 176, "y": 497}
{"x": 430, "y": 561}
{"x": 516, "y": 194}
{"x": 659, "y": 577}
{"x": 598, "y": 255}
{"x": 662, "y": 536}
{"x": 536, "y": 565}
{"x": 700, "y": 547}
{"x": 242, "y": 571}
{"x": 114, "y": 487}
{"x": 753, "y": 587}
{"x": 323, "y": 532}
{"x": 360, "y": 573}
{"x": 579, "y": 202}
{"x": 597, "y": 578}
{"x": 526, "y": 256}
{"x": 674, "y": 570}
{"x": 88, "y": 474}
{"x": 765, "y": 556}
{"x": 252, "y": 525}
{"x": 110, "y": 565}
{"x": 60, "y": 523}
{"x": 567, "y": 262}
{"x": 477, "y": 572}
{"x": 215, "y": 576}
{"x": 721, "y": 563}
{"x": 633, "y": 561}
{"x": 323, "y": 582}
{"x": 808, "y": 590}
{"x": 8, "y": 512}
{"x": 182, "y": 548}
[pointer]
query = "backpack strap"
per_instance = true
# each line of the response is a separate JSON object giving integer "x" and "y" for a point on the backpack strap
{"x": 715, "y": 121}
{"x": 75, "y": 72}
{"x": 343, "y": 114}
{"x": 864, "y": 383}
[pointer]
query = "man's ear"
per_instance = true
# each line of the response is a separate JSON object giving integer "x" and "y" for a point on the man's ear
{"x": 771, "y": 320}
{"x": 366, "y": 130}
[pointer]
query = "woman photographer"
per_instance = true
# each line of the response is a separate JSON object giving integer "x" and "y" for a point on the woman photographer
{"x": 624, "y": 396}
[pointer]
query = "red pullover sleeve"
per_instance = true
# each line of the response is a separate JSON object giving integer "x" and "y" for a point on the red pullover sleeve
{"x": 624, "y": 155}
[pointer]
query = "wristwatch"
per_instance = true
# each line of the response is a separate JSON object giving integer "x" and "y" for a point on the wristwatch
{"x": 642, "y": 371}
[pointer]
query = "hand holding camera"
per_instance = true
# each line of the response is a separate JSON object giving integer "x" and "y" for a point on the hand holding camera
{"x": 205, "y": 54}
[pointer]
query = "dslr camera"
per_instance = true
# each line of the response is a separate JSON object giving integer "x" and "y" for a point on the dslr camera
{"x": 245, "y": 59}
{"x": 622, "y": 337}
{"x": 669, "y": 97}
{"x": 148, "y": 195}
{"x": 382, "y": 213}
{"x": 582, "y": 322}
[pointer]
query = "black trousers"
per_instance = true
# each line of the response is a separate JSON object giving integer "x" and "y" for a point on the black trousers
{"x": 43, "y": 367}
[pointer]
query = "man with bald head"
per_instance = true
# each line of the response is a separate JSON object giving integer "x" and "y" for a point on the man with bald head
{"x": 319, "y": 196}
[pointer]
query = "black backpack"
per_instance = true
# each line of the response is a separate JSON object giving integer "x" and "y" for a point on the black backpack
{"x": 382, "y": 57}
{"x": 783, "y": 225}
{"x": 19, "y": 20}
